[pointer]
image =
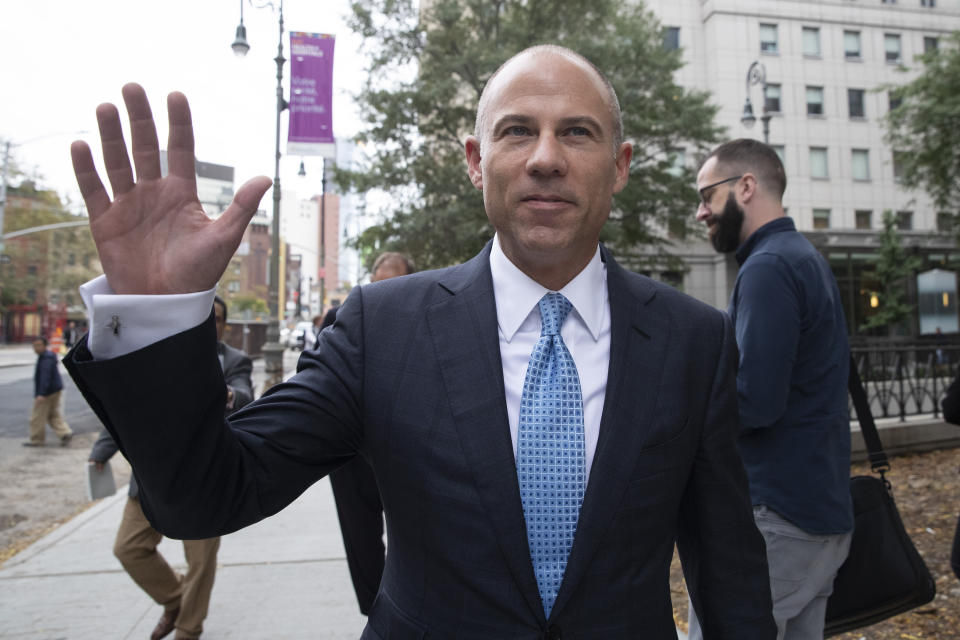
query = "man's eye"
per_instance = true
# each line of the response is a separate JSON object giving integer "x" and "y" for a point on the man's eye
{"x": 578, "y": 131}
{"x": 517, "y": 130}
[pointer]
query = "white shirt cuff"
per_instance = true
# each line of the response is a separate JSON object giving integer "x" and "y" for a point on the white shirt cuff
{"x": 122, "y": 324}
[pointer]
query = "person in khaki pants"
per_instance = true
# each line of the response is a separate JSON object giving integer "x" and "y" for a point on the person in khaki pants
{"x": 47, "y": 396}
{"x": 185, "y": 599}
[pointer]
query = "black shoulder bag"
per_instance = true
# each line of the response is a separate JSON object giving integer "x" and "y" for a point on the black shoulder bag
{"x": 884, "y": 574}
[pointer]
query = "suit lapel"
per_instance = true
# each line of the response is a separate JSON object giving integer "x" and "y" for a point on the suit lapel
{"x": 464, "y": 332}
{"x": 639, "y": 336}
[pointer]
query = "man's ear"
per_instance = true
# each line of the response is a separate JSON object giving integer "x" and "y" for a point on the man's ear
{"x": 748, "y": 188}
{"x": 622, "y": 166}
{"x": 472, "y": 150}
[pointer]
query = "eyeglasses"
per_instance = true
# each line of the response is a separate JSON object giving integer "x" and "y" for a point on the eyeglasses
{"x": 703, "y": 192}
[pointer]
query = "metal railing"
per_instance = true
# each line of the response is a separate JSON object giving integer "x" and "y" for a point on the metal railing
{"x": 907, "y": 380}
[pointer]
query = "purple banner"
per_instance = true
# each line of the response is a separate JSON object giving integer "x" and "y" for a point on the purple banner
{"x": 311, "y": 95}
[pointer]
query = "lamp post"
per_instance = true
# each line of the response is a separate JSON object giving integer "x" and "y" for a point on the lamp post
{"x": 272, "y": 350}
{"x": 323, "y": 236}
{"x": 757, "y": 74}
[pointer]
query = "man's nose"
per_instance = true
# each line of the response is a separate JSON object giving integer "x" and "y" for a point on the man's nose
{"x": 702, "y": 212}
{"x": 547, "y": 157}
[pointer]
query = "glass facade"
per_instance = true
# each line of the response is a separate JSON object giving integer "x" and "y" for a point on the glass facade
{"x": 932, "y": 291}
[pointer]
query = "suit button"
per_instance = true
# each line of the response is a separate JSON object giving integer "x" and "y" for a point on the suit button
{"x": 552, "y": 633}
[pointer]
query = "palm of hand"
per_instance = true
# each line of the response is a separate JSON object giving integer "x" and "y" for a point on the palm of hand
{"x": 154, "y": 237}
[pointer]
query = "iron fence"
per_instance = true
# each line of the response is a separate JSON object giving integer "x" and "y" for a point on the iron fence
{"x": 908, "y": 380}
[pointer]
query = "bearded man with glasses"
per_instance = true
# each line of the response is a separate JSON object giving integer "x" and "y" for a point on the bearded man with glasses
{"x": 791, "y": 383}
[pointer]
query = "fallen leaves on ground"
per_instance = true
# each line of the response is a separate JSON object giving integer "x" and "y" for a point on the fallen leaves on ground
{"x": 926, "y": 487}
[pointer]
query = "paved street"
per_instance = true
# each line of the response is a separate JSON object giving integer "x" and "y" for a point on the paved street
{"x": 16, "y": 398}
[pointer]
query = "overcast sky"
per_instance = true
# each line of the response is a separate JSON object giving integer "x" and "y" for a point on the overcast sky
{"x": 61, "y": 58}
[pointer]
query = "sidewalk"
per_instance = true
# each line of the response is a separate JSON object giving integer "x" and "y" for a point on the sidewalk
{"x": 285, "y": 577}
{"x": 13, "y": 355}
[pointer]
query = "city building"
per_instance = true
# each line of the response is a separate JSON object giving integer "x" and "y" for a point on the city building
{"x": 828, "y": 65}
{"x": 41, "y": 269}
{"x": 214, "y": 184}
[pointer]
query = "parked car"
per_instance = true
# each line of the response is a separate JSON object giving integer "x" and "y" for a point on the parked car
{"x": 301, "y": 337}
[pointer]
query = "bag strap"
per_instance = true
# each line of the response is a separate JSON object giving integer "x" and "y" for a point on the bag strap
{"x": 878, "y": 457}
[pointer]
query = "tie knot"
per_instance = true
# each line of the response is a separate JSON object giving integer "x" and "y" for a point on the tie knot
{"x": 553, "y": 311}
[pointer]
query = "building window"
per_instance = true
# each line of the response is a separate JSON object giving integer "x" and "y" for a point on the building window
{"x": 863, "y": 218}
{"x": 897, "y": 165}
{"x": 811, "y": 42}
{"x": 818, "y": 163}
{"x": 930, "y": 43}
{"x": 855, "y": 102}
{"x": 772, "y": 98}
{"x": 768, "y": 38}
{"x": 945, "y": 222}
{"x": 891, "y": 45}
{"x": 781, "y": 153}
{"x": 851, "y": 45}
{"x": 904, "y": 220}
{"x": 821, "y": 218}
{"x": 814, "y": 101}
{"x": 233, "y": 286}
{"x": 860, "y": 162}
{"x": 893, "y": 100}
{"x": 671, "y": 38}
{"x": 928, "y": 3}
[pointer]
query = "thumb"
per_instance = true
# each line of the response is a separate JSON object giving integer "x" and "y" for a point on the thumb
{"x": 244, "y": 205}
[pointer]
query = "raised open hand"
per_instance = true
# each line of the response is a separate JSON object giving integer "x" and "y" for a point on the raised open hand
{"x": 154, "y": 237}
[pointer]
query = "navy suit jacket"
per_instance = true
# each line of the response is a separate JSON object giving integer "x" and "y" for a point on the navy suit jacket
{"x": 410, "y": 377}
{"x": 236, "y": 372}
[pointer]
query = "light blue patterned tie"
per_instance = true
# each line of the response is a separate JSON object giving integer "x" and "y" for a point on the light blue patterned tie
{"x": 550, "y": 451}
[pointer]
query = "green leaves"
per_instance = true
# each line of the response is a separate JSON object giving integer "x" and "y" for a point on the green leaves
{"x": 893, "y": 268}
{"x": 925, "y": 129}
{"x": 425, "y": 75}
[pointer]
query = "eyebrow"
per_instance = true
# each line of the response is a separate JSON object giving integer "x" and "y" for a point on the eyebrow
{"x": 571, "y": 121}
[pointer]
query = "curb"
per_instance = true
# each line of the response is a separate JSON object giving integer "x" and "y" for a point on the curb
{"x": 66, "y": 529}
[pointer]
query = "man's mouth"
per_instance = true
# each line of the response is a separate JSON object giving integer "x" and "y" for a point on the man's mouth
{"x": 546, "y": 201}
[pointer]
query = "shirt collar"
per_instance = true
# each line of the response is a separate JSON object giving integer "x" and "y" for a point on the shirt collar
{"x": 774, "y": 226}
{"x": 516, "y": 293}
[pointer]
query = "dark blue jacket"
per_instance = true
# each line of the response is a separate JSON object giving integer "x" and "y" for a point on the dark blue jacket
{"x": 792, "y": 382}
{"x": 46, "y": 377}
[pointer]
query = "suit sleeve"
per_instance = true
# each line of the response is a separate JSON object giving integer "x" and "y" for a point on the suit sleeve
{"x": 722, "y": 552}
{"x": 104, "y": 448}
{"x": 237, "y": 376}
{"x": 201, "y": 474}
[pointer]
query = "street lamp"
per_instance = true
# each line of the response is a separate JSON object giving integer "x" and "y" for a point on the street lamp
{"x": 757, "y": 74}
{"x": 323, "y": 235}
{"x": 272, "y": 350}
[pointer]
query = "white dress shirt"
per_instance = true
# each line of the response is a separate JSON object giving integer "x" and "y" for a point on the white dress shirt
{"x": 586, "y": 332}
{"x": 121, "y": 324}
